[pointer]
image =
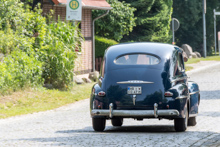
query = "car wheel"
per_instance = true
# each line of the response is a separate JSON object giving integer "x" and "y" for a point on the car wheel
{"x": 192, "y": 121}
{"x": 98, "y": 124}
{"x": 117, "y": 121}
{"x": 180, "y": 124}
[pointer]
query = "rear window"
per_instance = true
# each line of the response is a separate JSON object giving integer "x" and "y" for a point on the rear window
{"x": 137, "y": 59}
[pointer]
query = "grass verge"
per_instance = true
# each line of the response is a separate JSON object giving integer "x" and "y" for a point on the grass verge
{"x": 197, "y": 60}
{"x": 188, "y": 68}
{"x": 41, "y": 99}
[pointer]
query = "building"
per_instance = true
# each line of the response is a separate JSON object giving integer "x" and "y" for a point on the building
{"x": 84, "y": 62}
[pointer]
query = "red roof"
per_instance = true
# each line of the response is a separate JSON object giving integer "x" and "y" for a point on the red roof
{"x": 92, "y": 4}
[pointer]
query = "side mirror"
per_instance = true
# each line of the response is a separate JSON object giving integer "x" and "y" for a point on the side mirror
{"x": 185, "y": 59}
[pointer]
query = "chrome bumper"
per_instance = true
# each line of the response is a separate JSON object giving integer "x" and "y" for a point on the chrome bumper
{"x": 134, "y": 113}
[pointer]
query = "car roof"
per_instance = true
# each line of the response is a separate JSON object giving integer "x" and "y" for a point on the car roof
{"x": 164, "y": 51}
{"x": 158, "y": 49}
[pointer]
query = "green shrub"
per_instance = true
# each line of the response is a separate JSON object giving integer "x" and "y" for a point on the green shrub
{"x": 34, "y": 50}
{"x": 58, "y": 54}
{"x": 6, "y": 42}
{"x": 19, "y": 70}
{"x": 101, "y": 44}
{"x": 10, "y": 41}
{"x": 118, "y": 23}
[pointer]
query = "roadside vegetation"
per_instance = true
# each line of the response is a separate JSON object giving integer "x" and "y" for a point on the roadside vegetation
{"x": 33, "y": 100}
{"x": 33, "y": 51}
{"x": 101, "y": 44}
{"x": 197, "y": 60}
{"x": 209, "y": 58}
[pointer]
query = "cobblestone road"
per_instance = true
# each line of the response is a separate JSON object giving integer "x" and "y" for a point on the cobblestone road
{"x": 71, "y": 125}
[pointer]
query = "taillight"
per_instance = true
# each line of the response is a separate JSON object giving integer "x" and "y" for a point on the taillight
{"x": 168, "y": 94}
{"x": 101, "y": 93}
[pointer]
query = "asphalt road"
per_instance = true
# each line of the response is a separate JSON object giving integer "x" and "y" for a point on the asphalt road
{"x": 71, "y": 125}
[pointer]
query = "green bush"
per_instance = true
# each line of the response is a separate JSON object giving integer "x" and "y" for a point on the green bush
{"x": 19, "y": 70}
{"x": 101, "y": 44}
{"x": 45, "y": 52}
{"x": 10, "y": 41}
{"x": 118, "y": 23}
{"x": 58, "y": 54}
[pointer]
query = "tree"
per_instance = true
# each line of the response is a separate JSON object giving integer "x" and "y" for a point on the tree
{"x": 120, "y": 21}
{"x": 153, "y": 20}
{"x": 214, "y": 4}
{"x": 189, "y": 13}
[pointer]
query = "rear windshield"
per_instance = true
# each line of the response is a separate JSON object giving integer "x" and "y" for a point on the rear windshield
{"x": 137, "y": 59}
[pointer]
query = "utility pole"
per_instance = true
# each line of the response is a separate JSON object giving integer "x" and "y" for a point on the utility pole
{"x": 204, "y": 28}
{"x": 215, "y": 29}
{"x": 173, "y": 32}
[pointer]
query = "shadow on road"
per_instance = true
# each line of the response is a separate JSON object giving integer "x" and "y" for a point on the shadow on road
{"x": 144, "y": 129}
{"x": 127, "y": 129}
{"x": 210, "y": 114}
{"x": 210, "y": 95}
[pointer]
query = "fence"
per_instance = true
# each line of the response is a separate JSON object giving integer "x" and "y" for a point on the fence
{"x": 98, "y": 62}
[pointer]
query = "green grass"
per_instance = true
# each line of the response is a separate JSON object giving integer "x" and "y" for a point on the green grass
{"x": 196, "y": 60}
{"x": 41, "y": 99}
{"x": 188, "y": 68}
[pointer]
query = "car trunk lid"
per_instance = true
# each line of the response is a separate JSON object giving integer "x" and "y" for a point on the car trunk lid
{"x": 134, "y": 88}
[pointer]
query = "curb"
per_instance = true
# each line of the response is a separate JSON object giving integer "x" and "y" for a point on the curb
{"x": 202, "y": 68}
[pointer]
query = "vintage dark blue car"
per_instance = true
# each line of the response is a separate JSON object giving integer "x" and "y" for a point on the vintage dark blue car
{"x": 144, "y": 80}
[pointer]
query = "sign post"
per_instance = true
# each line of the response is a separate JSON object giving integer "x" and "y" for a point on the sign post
{"x": 74, "y": 10}
{"x": 173, "y": 32}
{"x": 215, "y": 30}
{"x": 174, "y": 26}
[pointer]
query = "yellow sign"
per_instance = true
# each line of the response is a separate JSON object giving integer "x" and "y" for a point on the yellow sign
{"x": 74, "y": 4}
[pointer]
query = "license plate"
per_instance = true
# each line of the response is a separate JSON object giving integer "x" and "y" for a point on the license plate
{"x": 134, "y": 90}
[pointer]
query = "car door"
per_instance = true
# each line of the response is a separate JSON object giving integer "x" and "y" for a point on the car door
{"x": 179, "y": 80}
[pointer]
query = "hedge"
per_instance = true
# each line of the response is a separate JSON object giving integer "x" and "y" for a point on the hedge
{"x": 101, "y": 44}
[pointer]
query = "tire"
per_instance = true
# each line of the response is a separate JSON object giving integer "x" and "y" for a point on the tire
{"x": 98, "y": 124}
{"x": 117, "y": 121}
{"x": 192, "y": 121}
{"x": 180, "y": 124}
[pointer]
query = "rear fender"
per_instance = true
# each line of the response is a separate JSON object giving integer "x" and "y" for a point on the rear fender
{"x": 179, "y": 99}
{"x": 97, "y": 102}
{"x": 194, "y": 98}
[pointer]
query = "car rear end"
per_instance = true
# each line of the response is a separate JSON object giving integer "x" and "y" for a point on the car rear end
{"x": 134, "y": 88}
{"x": 136, "y": 82}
